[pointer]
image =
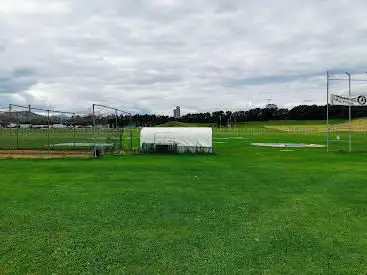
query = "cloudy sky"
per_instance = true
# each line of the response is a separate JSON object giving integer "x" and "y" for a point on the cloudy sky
{"x": 151, "y": 55}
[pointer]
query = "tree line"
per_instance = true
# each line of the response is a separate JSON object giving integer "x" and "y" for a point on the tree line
{"x": 225, "y": 118}
{"x": 218, "y": 118}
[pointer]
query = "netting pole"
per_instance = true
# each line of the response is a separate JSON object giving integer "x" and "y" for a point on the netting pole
{"x": 94, "y": 129}
{"x": 131, "y": 133}
{"x": 10, "y": 120}
{"x": 350, "y": 114}
{"x": 18, "y": 127}
{"x": 74, "y": 120}
{"x": 116, "y": 118}
{"x": 1, "y": 133}
{"x": 48, "y": 131}
{"x": 327, "y": 112}
{"x": 116, "y": 130}
{"x": 30, "y": 115}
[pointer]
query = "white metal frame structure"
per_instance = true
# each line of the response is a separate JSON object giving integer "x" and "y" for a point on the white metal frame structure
{"x": 29, "y": 108}
{"x": 116, "y": 110}
{"x": 329, "y": 79}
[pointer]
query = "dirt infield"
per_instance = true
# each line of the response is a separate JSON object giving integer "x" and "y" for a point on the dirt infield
{"x": 41, "y": 154}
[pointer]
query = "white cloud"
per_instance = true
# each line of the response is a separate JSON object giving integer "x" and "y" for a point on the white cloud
{"x": 22, "y": 7}
{"x": 154, "y": 55}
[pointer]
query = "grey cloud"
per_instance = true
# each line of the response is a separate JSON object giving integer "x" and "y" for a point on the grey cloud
{"x": 156, "y": 54}
{"x": 17, "y": 81}
{"x": 23, "y": 72}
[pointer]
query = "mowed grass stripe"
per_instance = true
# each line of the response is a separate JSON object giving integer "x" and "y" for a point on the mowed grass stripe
{"x": 243, "y": 210}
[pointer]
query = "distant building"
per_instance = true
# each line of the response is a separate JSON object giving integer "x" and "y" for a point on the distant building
{"x": 59, "y": 126}
{"x": 271, "y": 106}
{"x": 12, "y": 125}
{"x": 177, "y": 112}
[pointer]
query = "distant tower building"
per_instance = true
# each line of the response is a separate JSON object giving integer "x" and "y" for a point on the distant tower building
{"x": 177, "y": 112}
{"x": 270, "y": 105}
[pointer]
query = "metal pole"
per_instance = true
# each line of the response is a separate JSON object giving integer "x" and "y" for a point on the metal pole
{"x": 116, "y": 118}
{"x": 94, "y": 131}
{"x": 74, "y": 120}
{"x": 18, "y": 127}
{"x": 350, "y": 114}
{"x": 131, "y": 134}
{"x": 327, "y": 112}
{"x": 117, "y": 130}
{"x": 48, "y": 131}
{"x": 11, "y": 133}
{"x": 10, "y": 120}
{"x": 30, "y": 115}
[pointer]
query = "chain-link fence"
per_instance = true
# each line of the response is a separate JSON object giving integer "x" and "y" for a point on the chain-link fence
{"x": 26, "y": 127}
{"x": 112, "y": 128}
{"x": 29, "y": 128}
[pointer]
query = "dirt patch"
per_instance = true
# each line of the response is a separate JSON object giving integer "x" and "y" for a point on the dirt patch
{"x": 41, "y": 154}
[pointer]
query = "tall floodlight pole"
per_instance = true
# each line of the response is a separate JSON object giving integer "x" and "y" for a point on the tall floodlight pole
{"x": 327, "y": 112}
{"x": 350, "y": 112}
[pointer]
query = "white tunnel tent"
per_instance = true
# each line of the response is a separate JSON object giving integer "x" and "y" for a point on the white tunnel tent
{"x": 176, "y": 140}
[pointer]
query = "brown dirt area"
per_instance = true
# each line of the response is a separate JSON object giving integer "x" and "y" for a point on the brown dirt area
{"x": 39, "y": 154}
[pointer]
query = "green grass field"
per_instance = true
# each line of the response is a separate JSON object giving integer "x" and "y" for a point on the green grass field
{"x": 40, "y": 139}
{"x": 272, "y": 130}
{"x": 243, "y": 210}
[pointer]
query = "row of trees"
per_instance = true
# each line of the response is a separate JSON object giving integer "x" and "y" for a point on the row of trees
{"x": 302, "y": 112}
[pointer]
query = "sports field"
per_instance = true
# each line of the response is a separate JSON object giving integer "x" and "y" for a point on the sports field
{"x": 243, "y": 210}
{"x": 42, "y": 139}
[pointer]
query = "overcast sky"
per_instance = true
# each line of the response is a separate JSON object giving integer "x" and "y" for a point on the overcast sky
{"x": 151, "y": 55}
